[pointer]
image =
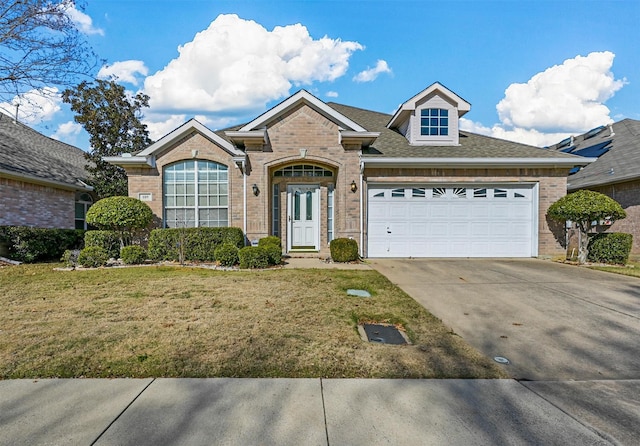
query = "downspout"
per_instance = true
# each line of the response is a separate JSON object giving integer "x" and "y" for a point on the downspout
{"x": 361, "y": 207}
{"x": 244, "y": 200}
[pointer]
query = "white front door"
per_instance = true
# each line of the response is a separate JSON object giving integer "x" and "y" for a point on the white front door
{"x": 303, "y": 215}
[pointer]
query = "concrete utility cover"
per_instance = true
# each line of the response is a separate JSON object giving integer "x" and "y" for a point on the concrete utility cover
{"x": 359, "y": 293}
{"x": 383, "y": 334}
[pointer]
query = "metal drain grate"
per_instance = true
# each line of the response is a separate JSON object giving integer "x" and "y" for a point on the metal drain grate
{"x": 383, "y": 334}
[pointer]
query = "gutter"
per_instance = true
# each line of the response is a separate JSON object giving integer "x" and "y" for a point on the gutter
{"x": 45, "y": 182}
{"x": 477, "y": 162}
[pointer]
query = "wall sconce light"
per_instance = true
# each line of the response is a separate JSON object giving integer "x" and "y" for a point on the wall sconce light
{"x": 354, "y": 187}
{"x": 256, "y": 191}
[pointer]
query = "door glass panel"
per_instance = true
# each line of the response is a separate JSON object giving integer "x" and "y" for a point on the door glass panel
{"x": 296, "y": 206}
{"x": 309, "y": 206}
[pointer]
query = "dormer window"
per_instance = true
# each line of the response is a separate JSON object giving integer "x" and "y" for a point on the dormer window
{"x": 434, "y": 122}
{"x": 431, "y": 118}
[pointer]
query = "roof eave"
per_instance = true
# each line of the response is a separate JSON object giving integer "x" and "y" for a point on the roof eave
{"x": 131, "y": 161}
{"x": 363, "y": 138}
{"x": 476, "y": 162}
{"x": 80, "y": 185}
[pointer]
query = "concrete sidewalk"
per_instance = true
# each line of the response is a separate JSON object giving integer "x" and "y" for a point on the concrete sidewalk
{"x": 304, "y": 412}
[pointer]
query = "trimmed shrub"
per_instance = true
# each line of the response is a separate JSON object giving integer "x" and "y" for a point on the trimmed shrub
{"x": 108, "y": 240}
{"x": 93, "y": 257}
{"x": 344, "y": 250}
{"x": 273, "y": 246}
{"x": 253, "y": 257}
{"x": 133, "y": 255}
{"x": 270, "y": 240}
{"x": 610, "y": 247}
{"x": 274, "y": 253}
{"x": 195, "y": 244}
{"x": 227, "y": 254}
{"x": 32, "y": 245}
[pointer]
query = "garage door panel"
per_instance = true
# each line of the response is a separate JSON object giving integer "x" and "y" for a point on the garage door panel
{"x": 485, "y": 221}
{"x": 438, "y": 210}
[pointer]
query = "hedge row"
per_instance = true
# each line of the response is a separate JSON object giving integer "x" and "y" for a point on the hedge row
{"x": 32, "y": 245}
{"x": 192, "y": 244}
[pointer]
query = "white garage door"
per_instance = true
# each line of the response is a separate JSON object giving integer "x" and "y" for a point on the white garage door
{"x": 451, "y": 221}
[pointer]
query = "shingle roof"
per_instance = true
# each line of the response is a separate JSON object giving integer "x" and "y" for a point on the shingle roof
{"x": 26, "y": 153}
{"x": 392, "y": 144}
{"x": 621, "y": 162}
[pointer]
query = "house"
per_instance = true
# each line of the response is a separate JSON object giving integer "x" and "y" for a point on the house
{"x": 408, "y": 185}
{"x": 616, "y": 172}
{"x": 41, "y": 179}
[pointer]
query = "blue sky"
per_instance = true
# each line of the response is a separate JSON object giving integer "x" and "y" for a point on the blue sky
{"x": 534, "y": 71}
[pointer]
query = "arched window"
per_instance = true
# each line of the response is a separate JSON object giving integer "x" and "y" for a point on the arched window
{"x": 83, "y": 203}
{"x": 196, "y": 193}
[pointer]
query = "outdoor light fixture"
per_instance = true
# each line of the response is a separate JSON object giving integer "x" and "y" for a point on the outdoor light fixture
{"x": 256, "y": 191}
{"x": 354, "y": 187}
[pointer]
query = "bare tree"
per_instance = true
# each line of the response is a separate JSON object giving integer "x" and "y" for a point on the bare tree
{"x": 40, "y": 46}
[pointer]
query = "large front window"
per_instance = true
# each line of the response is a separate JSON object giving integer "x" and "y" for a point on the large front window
{"x": 196, "y": 193}
{"x": 434, "y": 122}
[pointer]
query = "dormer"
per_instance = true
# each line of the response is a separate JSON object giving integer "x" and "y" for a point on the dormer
{"x": 430, "y": 118}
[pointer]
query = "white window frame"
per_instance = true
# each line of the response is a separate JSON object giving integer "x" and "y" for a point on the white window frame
{"x": 195, "y": 208}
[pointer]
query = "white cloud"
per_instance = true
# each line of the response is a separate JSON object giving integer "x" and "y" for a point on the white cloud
{"x": 67, "y": 131}
{"x": 35, "y": 105}
{"x": 370, "y": 74}
{"x": 238, "y": 65}
{"x": 556, "y": 103}
{"x": 568, "y": 97}
{"x": 331, "y": 94}
{"x": 125, "y": 71}
{"x": 82, "y": 20}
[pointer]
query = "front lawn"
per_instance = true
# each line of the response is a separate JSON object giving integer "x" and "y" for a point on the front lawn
{"x": 164, "y": 321}
{"x": 631, "y": 269}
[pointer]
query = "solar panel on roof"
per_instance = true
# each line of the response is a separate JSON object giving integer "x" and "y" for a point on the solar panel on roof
{"x": 568, "y": 149}
{"x": 594, "y": 151}
{"x": 593, "y": 132}
{"x": 574, "y": 170}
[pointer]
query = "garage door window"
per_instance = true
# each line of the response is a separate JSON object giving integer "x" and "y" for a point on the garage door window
{"x": 480, "y": 193}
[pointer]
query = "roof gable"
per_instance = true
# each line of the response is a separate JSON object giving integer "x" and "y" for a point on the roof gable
{"x": 184, "y": 130}
{"x": 302, "y": 97}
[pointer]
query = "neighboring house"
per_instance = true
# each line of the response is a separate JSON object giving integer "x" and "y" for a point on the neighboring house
{"x": 407, "y": 185}
{"x": 41, "y": 179}
{"x": 616, "y": 172}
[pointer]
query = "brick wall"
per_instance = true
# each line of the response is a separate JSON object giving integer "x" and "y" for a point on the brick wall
{"x": 628, "y": 195}
{"x": 28, "y": 204}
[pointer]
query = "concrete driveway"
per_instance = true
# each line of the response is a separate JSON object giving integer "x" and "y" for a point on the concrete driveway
{"x": 552, "y": 321}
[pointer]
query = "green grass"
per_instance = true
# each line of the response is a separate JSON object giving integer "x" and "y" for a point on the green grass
{"x": 161, "y": 321}
{"x": 631, "y": 269}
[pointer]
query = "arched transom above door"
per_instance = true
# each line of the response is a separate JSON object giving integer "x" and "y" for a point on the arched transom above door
{"x": 303, "y": 170}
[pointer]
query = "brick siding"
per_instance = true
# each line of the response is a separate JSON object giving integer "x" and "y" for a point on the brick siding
{"x": 28, "y": 204}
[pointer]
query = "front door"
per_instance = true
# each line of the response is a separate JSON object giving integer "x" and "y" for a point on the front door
{"x": 303, "y": 216}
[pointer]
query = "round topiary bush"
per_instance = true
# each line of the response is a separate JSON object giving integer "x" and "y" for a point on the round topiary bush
{"x": 133, "y": 254}
{"x": 93, "y": 257}
{"x": 253, "y": 257}
{"x": 344, "y": 250}
{"x": 227, "y": 254}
